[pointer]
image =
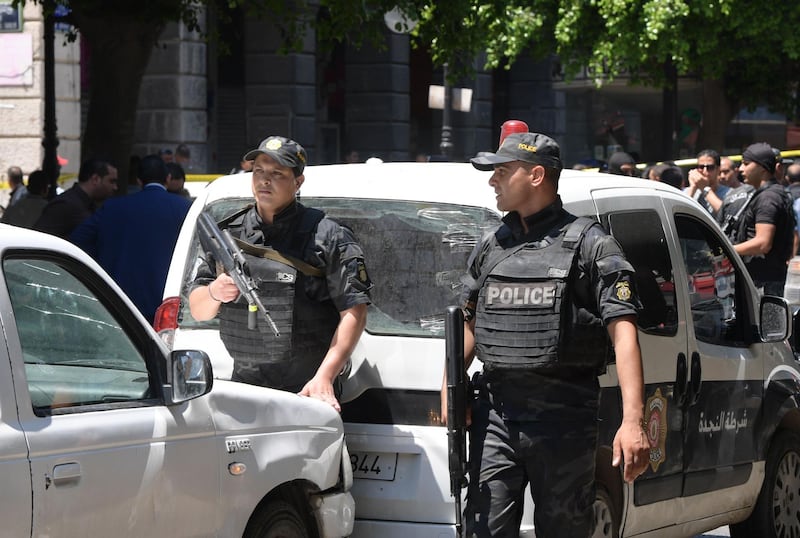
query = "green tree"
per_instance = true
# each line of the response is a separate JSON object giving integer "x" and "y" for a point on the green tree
{"x": 746, "y": 53}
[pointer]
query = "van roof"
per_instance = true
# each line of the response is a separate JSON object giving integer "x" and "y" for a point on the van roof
{"x": 455, "y": 183}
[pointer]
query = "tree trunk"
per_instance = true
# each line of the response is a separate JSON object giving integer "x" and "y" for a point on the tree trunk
{"x": 717, "y": 114}
{"x": 120, "y": 49}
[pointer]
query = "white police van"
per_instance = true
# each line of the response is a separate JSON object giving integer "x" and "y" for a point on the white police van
{"x": 104, "y": 432}
{"x": 722, "y": 385}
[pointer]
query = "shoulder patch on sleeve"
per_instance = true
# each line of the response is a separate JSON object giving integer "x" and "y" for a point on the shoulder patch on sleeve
{"x": 361, "y": 272}
{"x": 623, "y": 291}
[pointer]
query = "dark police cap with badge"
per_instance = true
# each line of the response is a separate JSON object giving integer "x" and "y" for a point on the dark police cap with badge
{"x": 287, "y": 152}
{"x": 528, "y": 147}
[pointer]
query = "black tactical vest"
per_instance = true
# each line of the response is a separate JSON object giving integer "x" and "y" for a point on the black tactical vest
{"x": 306, "y": 325}
{"x": 526, "y": 317}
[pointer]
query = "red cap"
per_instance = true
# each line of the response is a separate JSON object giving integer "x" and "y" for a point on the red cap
{"x": 62, "y": 161}
{"x": 512, "y": 126}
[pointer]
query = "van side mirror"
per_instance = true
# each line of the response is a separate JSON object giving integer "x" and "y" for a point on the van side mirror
{"x": 774, "y": 319}
{"x": 190, "y": 376}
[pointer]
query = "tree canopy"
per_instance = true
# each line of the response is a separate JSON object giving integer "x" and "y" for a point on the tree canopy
{"x": 745, "y": 53}
{"x": 749, "y": 52}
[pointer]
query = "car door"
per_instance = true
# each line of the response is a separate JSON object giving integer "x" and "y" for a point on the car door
{"x": 725, "y": 388}
{"x": 107, "y": 457}
{"x": 701, "y": 366}
{"x": 15, "y": 472}
{"x": 637, "y": 219}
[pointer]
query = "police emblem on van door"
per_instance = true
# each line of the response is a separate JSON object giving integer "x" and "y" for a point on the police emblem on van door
{"x": 520, "y": 294}
{"x": 655, "y": 412}
{"x": 284, "y": 277}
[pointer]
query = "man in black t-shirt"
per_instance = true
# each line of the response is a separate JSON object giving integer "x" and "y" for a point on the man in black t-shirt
{"x": 766, "y": 230}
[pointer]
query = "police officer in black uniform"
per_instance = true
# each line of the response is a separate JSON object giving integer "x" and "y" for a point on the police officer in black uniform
{"x": 542, "y": 295}
{"x": 311, "y": 276}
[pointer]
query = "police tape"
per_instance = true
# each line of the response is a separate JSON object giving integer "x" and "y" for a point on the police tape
{"x": 65, "y": 179}
{"x": 208, "y": 177}
{"x": 788, "y": 154}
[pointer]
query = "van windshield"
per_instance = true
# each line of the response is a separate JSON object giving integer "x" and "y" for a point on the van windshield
{"x": 415, "y": 254}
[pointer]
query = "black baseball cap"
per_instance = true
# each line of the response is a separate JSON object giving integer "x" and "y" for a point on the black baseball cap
{"x": 284, "y": 150}
{"x": 528, "y": 147}
{"x": 762, "y": 154}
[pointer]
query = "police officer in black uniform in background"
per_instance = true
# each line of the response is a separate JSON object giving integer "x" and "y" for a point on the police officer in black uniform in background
{"x": 542, "y": 294}
{"x": 765, "y": 235}
{"x": 316, "y": 290}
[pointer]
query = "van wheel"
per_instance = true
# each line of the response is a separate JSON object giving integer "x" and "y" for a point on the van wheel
{"x": 606, "y": 522}
{"x": 278, "y": 519}
{"x": 777, "y": 511}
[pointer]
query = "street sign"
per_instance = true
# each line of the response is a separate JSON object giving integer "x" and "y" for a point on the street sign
{"x": 460, "y": 98}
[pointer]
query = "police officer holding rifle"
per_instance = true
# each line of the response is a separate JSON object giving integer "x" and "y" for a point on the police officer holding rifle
{"x": 547, "y": 299}
{"x": 306, "y": 271}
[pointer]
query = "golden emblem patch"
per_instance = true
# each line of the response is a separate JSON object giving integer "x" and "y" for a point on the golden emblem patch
{"x": 273, "y": 144}
{"x": 656, "y": 416}
{"x": 623, "y": 291}
{"x": 362, "y": 272}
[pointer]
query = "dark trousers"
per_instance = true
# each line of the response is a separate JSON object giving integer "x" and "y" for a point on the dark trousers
{"x": 556, "y": 457}
{"x": 770, "y": 287}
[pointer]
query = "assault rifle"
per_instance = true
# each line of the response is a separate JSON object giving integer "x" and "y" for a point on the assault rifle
{"x": 221, "y": 246}
{"x": 456, "y": 406}
{"x": 731, "y": 222}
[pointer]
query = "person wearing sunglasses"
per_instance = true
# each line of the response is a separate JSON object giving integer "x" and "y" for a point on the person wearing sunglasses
{"x": 704, "y": 185}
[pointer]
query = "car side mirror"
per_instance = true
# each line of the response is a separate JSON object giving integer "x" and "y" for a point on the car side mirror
{"x": 190, "y": 376}
{"x": 775, "y": 321}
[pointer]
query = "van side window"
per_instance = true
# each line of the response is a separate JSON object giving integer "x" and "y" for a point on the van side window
{"x": 641, "y": 236}
{"x": 711, "y": 280}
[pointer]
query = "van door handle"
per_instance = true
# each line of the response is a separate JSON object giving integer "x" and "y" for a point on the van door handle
{"x": 697, "y": 378}
{"x": 66, "y": 473}
{"x": 681, "y": 380}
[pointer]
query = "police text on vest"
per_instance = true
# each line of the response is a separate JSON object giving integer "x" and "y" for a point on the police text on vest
{"x": 541, "y": 294}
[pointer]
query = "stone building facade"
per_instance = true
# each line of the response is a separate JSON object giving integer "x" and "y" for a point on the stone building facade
{"x": 22, "y": 95}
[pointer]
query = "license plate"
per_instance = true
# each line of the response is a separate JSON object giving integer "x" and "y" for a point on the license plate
{"x": 374, "y": 465}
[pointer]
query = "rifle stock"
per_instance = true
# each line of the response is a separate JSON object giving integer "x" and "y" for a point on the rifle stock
{"x": 222, "y": 248}
{"x": 456, "y": 406}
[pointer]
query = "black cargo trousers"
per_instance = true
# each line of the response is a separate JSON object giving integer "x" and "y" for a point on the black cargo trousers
{"x": 557, "y": 457}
